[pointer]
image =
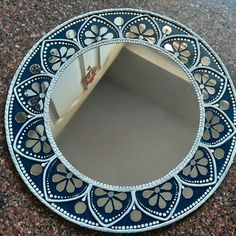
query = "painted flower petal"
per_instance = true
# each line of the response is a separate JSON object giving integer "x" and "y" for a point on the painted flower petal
{"x": 194, "y": 172}
{"x": 63, "y": 51}
{"x": 46, "y": 147}
{"x": 31, "y": 142}
{"x": 103, "y": 30}
{"x": 209, "y": 116}
{"x": 215, "y": 120}
{"x": 168, "y": 47}
{"x": 166, "y": 186}
{"x": 203, "y": 162}
{"x": 89, "y": 34}
{"x": 176, "y": 45}
{"x": 166, "y": 195}
{"x": 203, "y": 170}
{"x": 187, "y": 170}
{"x": 161, "y": 203}
{"x": 102, "y": 201}
{"x": 53, "y": 59}
{"x": 206, "y": 135}
{"x": 100, "y": 192}
{"x": 37, "y": 147}
{"x": 44, "y": 86}
{"x": 131, "y": 35}
{"x": 211, "y": 82}
{"x": 58, "y": 178}
{"x": 121, "y": 196}
{"x": 89, "y": 41}
{"x": 70, "y": 188}
{"x": 70, "y": 52}
{"x": 150, "y": 39}
{"x": 198, "y": 155}
{"x": 55, "y": 52}
{"x": 148, "y": 32}
{"x": 117, "y": 204}
{"x": 210, "y": 90}
{"x": 56, "y": 66}
{"x": 214, "y": 133}
{"x": 183, "y": 59}
{"x": 218, "y": 127}
{"x": 205, "y": 94}
{"x": 61, "y": 186}
{"x": 185, "y": 53}
{"x": 147, "y": 193}
{"x": 36, "y": 87}
{"x": 40, "y": 130}
{"x": 134, "y": 29}
{"x": 109, "y": 207}
{"x": 77, "y": 182}
{"x": 205, "y": 78}
{"x": 153, "y": 200}
{"x": 61, "y": 168}
{"x": 198, "y": 78}
{"x": 94, "y": 29}
{"x": 141, "y": 28}
{"x": 183, "y": 47}
{"x": 29, "y": 93}
{"x": 32, "y": 134}
{"x": 108, "y": 36}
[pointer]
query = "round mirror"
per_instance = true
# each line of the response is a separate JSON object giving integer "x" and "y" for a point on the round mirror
{"x": 121, "y": 120}
{"x": 117, "y": 109}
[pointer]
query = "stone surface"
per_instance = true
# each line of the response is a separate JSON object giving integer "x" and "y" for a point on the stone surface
{"x": 23, "y": 23}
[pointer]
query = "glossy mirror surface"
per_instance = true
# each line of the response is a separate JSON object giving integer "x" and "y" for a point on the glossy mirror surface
{"x": 124, "y": 114}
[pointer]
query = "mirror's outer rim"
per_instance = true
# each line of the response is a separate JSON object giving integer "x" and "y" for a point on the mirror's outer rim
{"x": 106, "y": 228}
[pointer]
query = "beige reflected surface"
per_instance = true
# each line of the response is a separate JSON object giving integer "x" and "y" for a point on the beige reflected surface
{"x": 123, "y": 114}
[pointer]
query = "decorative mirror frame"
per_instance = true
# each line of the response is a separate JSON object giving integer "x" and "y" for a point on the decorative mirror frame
{"x": 115, "y": 208}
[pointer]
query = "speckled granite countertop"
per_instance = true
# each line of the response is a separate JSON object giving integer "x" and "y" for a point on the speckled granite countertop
{"x": 22, "y": 24}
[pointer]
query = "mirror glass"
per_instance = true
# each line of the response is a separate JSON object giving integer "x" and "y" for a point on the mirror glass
{"x": 124, "y": 114}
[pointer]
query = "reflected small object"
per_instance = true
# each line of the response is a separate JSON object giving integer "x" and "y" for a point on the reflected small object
{"x": 166, "y": 30}
{"x": 21, "y": 117}
{"x": 35, "y": 69}
{"x": 89, "y": 77}
{"x": 206, "y": 61}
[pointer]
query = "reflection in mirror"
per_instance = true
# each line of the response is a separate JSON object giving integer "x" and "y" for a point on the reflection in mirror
{"x": 124, "y": 114}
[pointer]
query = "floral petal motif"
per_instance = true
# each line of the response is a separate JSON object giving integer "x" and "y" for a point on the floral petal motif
{"x": 31, "y": 139}
{"x": 218, "y": 127}
{"x": 160, "y": 201}
{"x": 60, "y": 184}
{"x": 96, "y": 29}
{"x": 31, "y": 93}
{"x": 109, "y": 206}
{"x": 201, "y": 169}
{"x": 211, "y": 83}
{"x": 142, "y": 28}
{"x": 55, "y": 53}
{"x": 185, "y": 48}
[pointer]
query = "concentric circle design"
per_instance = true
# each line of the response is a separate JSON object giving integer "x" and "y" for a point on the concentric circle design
{"x": 96, "y": 205}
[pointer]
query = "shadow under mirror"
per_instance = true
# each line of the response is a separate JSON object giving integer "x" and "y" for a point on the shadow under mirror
{"x": 124, "y": 114}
